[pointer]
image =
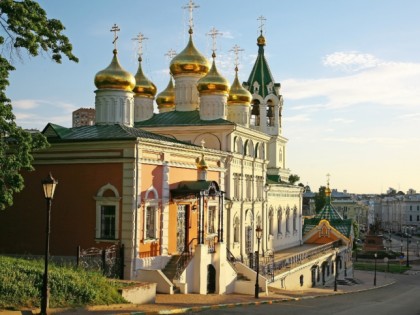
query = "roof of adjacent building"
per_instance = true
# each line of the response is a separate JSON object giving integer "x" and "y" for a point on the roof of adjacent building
{"x": 177, "y": 118}
{"x": 328, "y": 212}
{"x": 56, "y": 133}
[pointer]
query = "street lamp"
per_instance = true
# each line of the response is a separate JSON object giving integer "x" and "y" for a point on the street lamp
{"x": 408, "y": 260}
{"x": 258, "y": 232}
{"x": 418, "y": 253}
{"x": 401, "y": 246}
{"x": 336, "y": 270}
{"x": 48, "y": 185}
{"x": 374, "y": 277}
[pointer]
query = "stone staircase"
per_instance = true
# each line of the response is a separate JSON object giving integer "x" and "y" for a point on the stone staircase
{"x": 170, "y": 268}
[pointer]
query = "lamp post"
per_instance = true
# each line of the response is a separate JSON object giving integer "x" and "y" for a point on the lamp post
{"x": 407, "y": 264}
{"x": 336, "y": 270}
{"x": 418, "y": 253}
{"x": 48, "y": 185}
{"x": 374, "y": 277}
{"x": 258, "y": 232}
{"x": 401, "y": 246}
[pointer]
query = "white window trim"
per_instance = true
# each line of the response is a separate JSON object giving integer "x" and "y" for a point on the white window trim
{"x": 216, "y": 218}
{"x": 107, "y": 201}
{"x": 151, "y": 200}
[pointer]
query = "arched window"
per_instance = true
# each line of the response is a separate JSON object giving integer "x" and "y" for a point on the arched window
{"x": 107, "y": 213}
{"x": 279, "y": 220}
{"x": 294, "y": 219}
{"x": 287, "y": 220}
{"x": 150, "y": 214}
{"x": 271, "y": 222}
{"x": 236, "y": 228}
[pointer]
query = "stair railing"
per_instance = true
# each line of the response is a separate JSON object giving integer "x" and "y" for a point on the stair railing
{"x": 185, "y": 258}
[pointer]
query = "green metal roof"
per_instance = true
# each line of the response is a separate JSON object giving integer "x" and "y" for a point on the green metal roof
{"x": 177, "y": 118}
{"x": 262, "y": 74}
{"x": 56, "y": 133}
{"x": 342, "y": 226}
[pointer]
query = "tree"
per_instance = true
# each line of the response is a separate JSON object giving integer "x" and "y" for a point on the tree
{"x": 24, "y": 26}
{"x": 293, "y": 178}
{"x": 320, "y": 199}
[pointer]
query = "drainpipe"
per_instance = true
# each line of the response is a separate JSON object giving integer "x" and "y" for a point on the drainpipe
{"x": 136, "y": 243}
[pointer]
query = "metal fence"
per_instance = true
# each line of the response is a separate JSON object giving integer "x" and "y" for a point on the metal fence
{"x": 109, "y": 261}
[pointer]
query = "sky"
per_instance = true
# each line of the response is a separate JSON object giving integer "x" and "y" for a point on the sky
{"x": 349, "y": 74}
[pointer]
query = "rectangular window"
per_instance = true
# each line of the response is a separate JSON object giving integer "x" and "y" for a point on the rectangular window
{"x": 212, "y": 220}
{"x": 411, "y": 217}
{"x": 150, "y": 222}
{"x": 418, "y": 208}
{"x": 108, "y": 222}
{"x": 418, "y": 218}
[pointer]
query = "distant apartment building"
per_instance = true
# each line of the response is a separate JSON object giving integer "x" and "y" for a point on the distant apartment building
{"x": 398, "y": 213}
{"x": 84, "y": 117}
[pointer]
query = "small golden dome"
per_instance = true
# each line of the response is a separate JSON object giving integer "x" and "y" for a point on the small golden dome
{"x": 202, "y": 164}
{"x": 115, "y": 77}
{"x": 190, "y": 60}
{"x": 144, "y": 87}
{"x": 261, "y": 40}
{"x": 213, "y": 82}
{"x": 166, "y": 98}
{"x": 238, "y": 95}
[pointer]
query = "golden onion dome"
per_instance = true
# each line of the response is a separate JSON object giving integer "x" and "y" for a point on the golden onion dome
{"x": 144, "y": 87}
{"x": 115, "y": 77}
{"x": 261, "y": 40}
{"x": 238, "y": 95}
{"x": 166, "y": 98}
{"x": 202, "y": 164}
{"x": 190, "y": 60}
{"x": 213, "y": 82}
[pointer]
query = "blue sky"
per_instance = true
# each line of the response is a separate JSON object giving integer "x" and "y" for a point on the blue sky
{"x": 349, "y": 70}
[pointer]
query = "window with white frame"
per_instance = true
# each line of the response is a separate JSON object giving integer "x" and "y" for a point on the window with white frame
{"x": 294, "y": 219}
{"x": 150, "y": 222}
{"x": 107, "y": 213}
{"x": 150, "y": 217}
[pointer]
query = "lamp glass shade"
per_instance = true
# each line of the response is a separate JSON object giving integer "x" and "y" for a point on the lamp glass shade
{"x": 258, "y": 232}
{"x": 49, "y": 184}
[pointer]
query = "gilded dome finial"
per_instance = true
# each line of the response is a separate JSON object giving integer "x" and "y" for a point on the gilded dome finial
{"x": 238, "y": 95}
{"x": 190, "y": 7}
{"x": 261, "y": 38}
{"x": 115, "y": 29}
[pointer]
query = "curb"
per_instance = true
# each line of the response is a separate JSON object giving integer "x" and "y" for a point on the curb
{"x": 245, "y": 304}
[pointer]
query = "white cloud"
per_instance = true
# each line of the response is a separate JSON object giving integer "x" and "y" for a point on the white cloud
{"x": 350, "y": 61}
{"x": 387, "y": 84}
{"x": 297, "y": 118}
{"x": 342, "y": 120}
{"x": 25, "y": 104}
{"x": 369, "y": 140}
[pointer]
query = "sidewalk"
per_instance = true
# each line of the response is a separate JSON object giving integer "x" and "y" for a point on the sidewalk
{"x": 184, "y": 303}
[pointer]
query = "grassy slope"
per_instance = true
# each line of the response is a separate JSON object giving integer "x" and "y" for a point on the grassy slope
{"x": 21, "y": 283}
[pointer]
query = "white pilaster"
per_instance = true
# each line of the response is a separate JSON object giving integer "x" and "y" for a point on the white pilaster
{"x": 165, "y": 209}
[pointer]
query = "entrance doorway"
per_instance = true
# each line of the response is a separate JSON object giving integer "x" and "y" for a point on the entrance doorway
{"x": 211, "y": 279}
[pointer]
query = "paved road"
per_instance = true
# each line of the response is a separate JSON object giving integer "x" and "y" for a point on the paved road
{"x": 401, "y": 298}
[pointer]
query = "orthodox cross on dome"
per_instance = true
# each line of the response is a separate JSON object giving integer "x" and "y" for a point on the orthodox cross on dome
{"x": 261, "y": 19}
{"x": 115, "y": 29}
{"x": 328, "y": 179}
{"x": 213, "y": 34}
{"x": 236, "y": 49}
{"x": 191, "y": 6}
{"x": 170, "y": 54}
{"x": 139, "y": 39}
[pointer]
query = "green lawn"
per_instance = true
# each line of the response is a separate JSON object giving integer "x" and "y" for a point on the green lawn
{"x": 21, "y": 283}
{"x": 393, "y": 268}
